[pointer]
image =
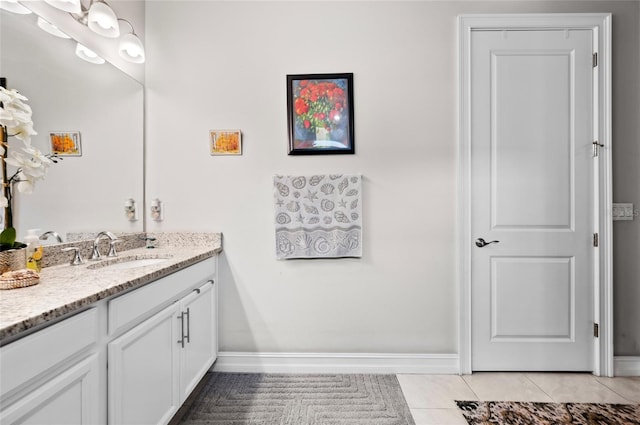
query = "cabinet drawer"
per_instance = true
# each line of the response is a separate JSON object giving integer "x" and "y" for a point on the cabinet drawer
{"x": 33, "y": 355}
{"x": 129, "y": 309}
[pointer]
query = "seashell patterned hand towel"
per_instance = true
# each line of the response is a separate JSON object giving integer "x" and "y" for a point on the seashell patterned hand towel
{"x": 318, "y": 216}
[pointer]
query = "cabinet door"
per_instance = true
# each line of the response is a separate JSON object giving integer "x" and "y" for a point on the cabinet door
{"x": 72, "y": 397}
{"x": 199, "y": 328}
{"x": 143, "y": 372}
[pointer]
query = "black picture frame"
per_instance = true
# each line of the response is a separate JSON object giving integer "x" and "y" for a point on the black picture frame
{"x": 320, "y": 114}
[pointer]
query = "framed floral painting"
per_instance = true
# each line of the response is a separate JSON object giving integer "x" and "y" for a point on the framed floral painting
{"x": 65, "y": 143}
{"x": 320, "y": 114}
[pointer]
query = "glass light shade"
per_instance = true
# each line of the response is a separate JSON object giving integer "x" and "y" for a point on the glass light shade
{"x": 87, "y": 54}
{"x": 102, "y": 20}
{"x": 50, "y": 28}
{"x": 14, "y": 7}
{"x": 131, "y": 48}
{"x": 71, "y": 6}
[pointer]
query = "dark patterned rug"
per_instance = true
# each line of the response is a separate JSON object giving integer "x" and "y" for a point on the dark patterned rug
{"x": 281, "y": 399}
{"x": 520, "y": 413}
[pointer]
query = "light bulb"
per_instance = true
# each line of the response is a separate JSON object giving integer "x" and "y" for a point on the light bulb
{"x": 131, "y": 48}
{"x": 83, "y": 52}
{"x": 102, "y": 20}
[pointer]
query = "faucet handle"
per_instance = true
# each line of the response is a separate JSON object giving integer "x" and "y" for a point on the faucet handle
{"x": 112, "y": 248}
{"x": 95, "y": 254}
{"x": 77, "y": 258}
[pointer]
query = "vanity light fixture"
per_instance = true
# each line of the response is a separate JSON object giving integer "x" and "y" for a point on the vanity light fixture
{"x": 71, "y": 6}
{"x": 50, "y": 28}
{"x": 83, "y": 52}
{"x": 102, "y": 20}
{"x": 130, "y": 47}
{"x": 14, "y": 7}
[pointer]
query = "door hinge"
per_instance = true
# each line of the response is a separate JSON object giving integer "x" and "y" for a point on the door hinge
{"x": 595, "y": 240}
{"x": 596, "y": 330}
{"x": 595, "y": 59}
{"x": 596, "y": 148}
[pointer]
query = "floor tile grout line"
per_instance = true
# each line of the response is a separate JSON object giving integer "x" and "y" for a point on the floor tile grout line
{"x": 469, "y": 386}
{"x": 612, "y": 390}
{"x": 526, "y": 375}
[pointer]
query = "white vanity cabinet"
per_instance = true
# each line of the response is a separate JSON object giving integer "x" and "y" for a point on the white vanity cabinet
{"x": 154, "y": 366}
{"x": 131, "y": 359}
{"x": 53, "y": 376}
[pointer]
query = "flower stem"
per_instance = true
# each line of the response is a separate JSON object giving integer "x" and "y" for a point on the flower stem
{"x": 6, "y": 184}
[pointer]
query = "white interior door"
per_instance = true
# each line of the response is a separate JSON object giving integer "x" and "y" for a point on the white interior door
{"x": 532, "y": 106}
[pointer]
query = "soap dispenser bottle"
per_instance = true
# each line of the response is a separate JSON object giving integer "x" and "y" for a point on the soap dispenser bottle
{"x": 34, "y": 250}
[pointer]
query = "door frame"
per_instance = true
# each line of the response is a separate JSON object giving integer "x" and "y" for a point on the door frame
{"x": 600, "y": 24}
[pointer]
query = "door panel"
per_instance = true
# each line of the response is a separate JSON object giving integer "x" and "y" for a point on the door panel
{"x": 521, "y": 147}
{"x": 143, "y": 372}
{"x": 531, "y": 135}
{"x": 540, "y": 281}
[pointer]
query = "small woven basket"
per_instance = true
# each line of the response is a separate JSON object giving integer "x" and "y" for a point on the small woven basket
{"x": 19, "y": 279}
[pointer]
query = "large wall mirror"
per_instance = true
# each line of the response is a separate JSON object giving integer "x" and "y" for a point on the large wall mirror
{"x": 84, "y": 193}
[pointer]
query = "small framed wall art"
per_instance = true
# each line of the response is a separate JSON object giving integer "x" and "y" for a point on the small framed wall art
{"x": 320, "y": 114}
{"x": 65, "y": 143}
{"x": 225, "y": 142}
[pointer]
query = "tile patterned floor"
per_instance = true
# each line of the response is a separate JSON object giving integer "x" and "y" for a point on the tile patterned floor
{"x": 431, "y": 397}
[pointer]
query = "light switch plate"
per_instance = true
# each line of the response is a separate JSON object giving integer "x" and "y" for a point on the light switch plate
{"x": 622, "y": 212}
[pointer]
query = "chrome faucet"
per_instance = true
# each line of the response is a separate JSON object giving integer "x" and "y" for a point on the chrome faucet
{"x": 51, "y": 233}
{"x": 95, "y": 255}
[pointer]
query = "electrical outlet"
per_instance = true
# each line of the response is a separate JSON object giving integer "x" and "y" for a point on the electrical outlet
{"x": 622, "y": 212}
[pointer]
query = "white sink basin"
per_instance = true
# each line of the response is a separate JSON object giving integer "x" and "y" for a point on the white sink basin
{"x": 125, "y": 263}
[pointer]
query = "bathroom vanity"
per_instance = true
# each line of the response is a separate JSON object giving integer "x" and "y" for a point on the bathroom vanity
{"x": 124, "y": 341}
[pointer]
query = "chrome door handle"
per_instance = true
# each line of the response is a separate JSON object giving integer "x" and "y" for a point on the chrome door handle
{"x": 481, "y": 243}
{"x": 187, "y": 337}
{"x": 182, "y": 337}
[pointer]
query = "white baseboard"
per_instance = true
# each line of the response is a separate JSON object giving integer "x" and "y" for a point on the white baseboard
{"x": 626, "y": 366}
{"x": 336, "y": 363}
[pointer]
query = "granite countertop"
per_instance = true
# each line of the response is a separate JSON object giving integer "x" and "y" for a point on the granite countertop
{"x": 64, "y": 289}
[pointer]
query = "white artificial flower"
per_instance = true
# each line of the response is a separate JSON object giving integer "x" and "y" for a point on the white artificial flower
{"x": 16, "y": 115}
{"x": 33, "y": 167}
{"x": 38, "y": 156}
{"x": 29, "y": 166}
{"x": 7, "y": 95}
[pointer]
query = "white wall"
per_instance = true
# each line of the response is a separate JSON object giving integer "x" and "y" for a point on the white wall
{"x": 223, "y": 65}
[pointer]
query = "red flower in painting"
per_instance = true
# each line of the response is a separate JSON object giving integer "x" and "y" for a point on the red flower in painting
{"x": 301, "y": 106}
{"x": 307, "y": 123}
